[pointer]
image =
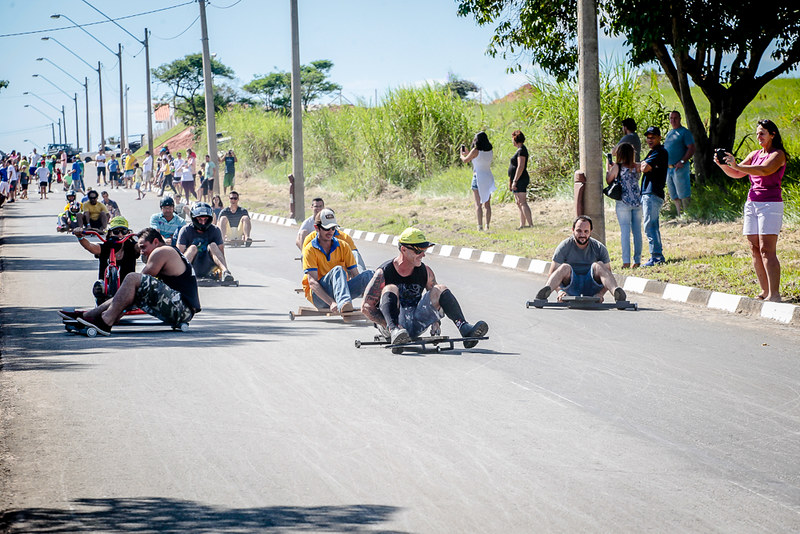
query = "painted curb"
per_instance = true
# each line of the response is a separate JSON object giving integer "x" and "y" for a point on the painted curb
{"x": 781, "y": 312}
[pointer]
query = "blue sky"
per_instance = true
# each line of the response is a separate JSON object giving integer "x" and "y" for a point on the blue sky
{"x": 374, "y": 46}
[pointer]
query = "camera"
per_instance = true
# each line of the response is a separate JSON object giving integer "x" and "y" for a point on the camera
{"x": 719, "y": 153}
{"x": 610, "y": 159}
{"x": 463, "y": 148}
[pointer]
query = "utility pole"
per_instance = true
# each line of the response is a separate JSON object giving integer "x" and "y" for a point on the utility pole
{"x": 102, "y": 127}
{"x": 297, "y": 122}
{"x": 127, "y": 110}
{"x": 123, "y": 142}
{"x": 589, "y": 131}
{"x": 149, "y": 97}
{"x": 53, "y": 131}
{"x": 86, "y": 89}
{"x": 64, "y": 123}
{"x": 77, "y": 119}
{"x": 59, "y": 131}
{"x": 208, "y": 83}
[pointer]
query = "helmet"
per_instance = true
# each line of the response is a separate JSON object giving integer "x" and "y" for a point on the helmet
{"x": 201, "y": 209}
{"x": 70, "y": 193}
{"x": 75, "y": 207}
{"x": 167, "y": 201}
{"x": 118, "y": 222}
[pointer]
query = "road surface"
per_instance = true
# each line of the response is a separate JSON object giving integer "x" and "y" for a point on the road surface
{"x": 668, "y": 419}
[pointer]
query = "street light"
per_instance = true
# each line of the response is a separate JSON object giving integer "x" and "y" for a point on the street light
{"x": 99, "y": 87}
{"x": 31, "y": 142}
{"x": 57, "y": 111}
{"x": 122, "y": 141}
{"x": 52, "y": 122}
{"x": 85, "y": 85}
{"x": 146, "y": 44}
{"x": 75, "y": 99}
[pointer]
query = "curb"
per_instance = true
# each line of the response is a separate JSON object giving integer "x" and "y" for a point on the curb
{"x": 776, "y": 311}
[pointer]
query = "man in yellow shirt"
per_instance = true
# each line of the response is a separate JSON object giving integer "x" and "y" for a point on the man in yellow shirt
{"x": 95, "y": 214}
{"x": 130, "y": 167}
{"x": 331, "y": 277}
{"x": 341, "y": 236}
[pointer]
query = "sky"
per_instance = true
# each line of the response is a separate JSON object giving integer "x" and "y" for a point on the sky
{"x": 374, "y": 46}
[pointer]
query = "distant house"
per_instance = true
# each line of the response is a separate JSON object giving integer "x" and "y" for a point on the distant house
{"x": 164, "y": 116}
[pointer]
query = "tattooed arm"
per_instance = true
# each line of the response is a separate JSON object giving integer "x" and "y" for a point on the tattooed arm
{"x": 372, "y": 298}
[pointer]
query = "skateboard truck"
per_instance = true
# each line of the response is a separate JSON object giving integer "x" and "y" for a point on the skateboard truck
{"x": 421, "y": 344}
{"x": 583, "y": 303}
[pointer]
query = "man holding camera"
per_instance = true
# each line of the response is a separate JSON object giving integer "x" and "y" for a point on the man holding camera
{"x": 679, "y": 144}
{"x": 654, "y": 176}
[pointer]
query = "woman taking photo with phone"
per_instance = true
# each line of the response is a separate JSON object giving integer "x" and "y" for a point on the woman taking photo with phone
{"x": 518, "y": 180}
{"x": 763, "y": 210}
{"x": 629, "y": 208}
{"x": 482, "y": 177}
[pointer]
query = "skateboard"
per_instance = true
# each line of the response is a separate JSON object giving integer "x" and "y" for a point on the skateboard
{"x": 214, "y": 282}
{"x": 348, "y": 317}
{"x": 75, "y": 327}
{"x": 583, "y": 303}
{"x": 241, "y": 242}
{"x": 420, "y": 344}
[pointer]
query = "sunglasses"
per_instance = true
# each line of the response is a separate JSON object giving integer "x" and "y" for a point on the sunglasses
{"x": 233, "y": 198}
{"x": 416, "y": 250}
{"x": 119, "y": 231}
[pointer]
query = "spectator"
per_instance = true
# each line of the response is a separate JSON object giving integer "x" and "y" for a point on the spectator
{"x": 629, "y": 135}
{"x": 629, "y": 208}
{"x": 482, "y": 177}
{"x": 654, "y": 169}
{"x": 518, "y": 180}
{"x": 679, "y": 144}
{"x": 230, "y": 171}
{"x": 307, "y": 227}
{"x": 763, "y": 210}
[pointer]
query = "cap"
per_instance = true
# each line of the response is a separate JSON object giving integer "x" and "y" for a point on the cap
{"x": 118, "y": 222}
{"x": 326, "y": 219}
{"x": 654, "y": 130}
{"x": 414, "y": 236}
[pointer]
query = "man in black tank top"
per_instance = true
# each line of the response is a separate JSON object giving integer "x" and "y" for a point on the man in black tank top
{"x": 404, "y": 299}
{"x": 166, "y": 288}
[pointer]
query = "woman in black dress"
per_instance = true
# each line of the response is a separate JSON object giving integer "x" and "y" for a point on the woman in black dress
{"x": 518, "y": 180}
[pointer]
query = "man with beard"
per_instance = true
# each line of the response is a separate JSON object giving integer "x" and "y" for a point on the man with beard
{"x": 581, "y": 266}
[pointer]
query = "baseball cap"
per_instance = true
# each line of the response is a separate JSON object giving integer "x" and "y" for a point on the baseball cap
{"x": 118, "y": 222}
{"x": 415, "y": 237}
{"x": 326, "y": 219}
{"x": 653, "y": 130}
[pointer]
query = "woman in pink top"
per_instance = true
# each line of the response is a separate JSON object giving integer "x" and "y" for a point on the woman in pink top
{"x": 763, "y": 211}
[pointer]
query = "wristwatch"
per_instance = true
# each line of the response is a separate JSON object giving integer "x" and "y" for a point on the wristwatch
{"x": 682, "y": 162}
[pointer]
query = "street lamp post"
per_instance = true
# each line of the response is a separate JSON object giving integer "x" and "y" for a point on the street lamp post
{"x": 121, "y": 86}
{"x": 99, "y": 87}
{"x": 75, "y": 99}
{"x": 31, "y": 142}
{"x": 52, "y": 121}
{"x": 85, "y": 85}
{"x": 55, "y": 108}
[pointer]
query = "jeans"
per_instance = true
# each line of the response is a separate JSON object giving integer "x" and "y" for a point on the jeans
{"x": 651, "y": 206}
{"x": 336, "y": 284}
{"x": 630, "y": 219}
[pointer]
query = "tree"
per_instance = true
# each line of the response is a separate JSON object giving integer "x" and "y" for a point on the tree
{"x": 275, "y": 89}
{"x": 3, "y": 84}
{"x": 460, "y": 87}
{"x": 718, "y": 46}
{"x": 185, "y": 80}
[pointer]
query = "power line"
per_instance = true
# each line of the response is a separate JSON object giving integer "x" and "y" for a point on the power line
{"x": 99, "y": 21}
{"x": 175, "y": 37}
{"x": 225, "y": 7}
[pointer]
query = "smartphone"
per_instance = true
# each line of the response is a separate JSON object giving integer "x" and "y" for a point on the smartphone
{"x": 463, "y": 148}
{"x": 610, "y": 159}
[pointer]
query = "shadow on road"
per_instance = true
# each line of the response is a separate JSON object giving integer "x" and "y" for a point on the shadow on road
{"x": 13, "y": 263}
{"x": 37, "y": 239}
{"x": 159, "y": 515}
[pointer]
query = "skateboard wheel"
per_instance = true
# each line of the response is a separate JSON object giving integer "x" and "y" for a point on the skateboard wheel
{"x": 527, "y": 305}
{"x": 358, "y": 343}
{"x": 291, "y": 316}
{"x": 397, "y": 350}
{"x": 183, "y": 327}
{"x": 91, "y": 332}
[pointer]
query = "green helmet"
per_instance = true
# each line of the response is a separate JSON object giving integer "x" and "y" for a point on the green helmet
{"x": 118, "y": 222}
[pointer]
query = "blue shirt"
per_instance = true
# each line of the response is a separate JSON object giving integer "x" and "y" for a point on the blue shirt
{"x": 77, "y": 170}
{"x": 676, "y": 142}
{"x": 653, "y": 182}
{"x": 113, "y": 165}
{"x": 168, "y": 229}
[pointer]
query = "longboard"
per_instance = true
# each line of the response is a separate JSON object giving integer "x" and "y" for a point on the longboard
{"x": 213, "y": 282}
{"x": 583, "y": 303}
{"x": 75, "y": 327}
{"x": 348, "y": 316}
{"x": 241, "y": 242}
{"x": 421, "y": 344}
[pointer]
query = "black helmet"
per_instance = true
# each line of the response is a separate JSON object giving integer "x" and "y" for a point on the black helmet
{"x": 201, "y": 209}
{"x": 70, "y": 193}
{"x": 167, "y": 201}
{"x": 75, "y": 207}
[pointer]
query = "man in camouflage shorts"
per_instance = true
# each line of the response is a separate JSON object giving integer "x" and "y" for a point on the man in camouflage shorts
{"x": 166, "y": 288}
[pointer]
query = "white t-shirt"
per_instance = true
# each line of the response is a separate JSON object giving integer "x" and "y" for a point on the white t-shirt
{"x": 43, "y": 173}
{"x": 101, "y": 161}
{"x": 308, "y": 225}
{"x": 147, "y": 165}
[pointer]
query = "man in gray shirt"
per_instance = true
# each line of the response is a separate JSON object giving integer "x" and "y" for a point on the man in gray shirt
{"x": 581, "y": 266}
{"x": 631, "y": 137}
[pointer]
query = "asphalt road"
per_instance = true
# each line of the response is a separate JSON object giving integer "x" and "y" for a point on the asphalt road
{"x": 668, "y": 419}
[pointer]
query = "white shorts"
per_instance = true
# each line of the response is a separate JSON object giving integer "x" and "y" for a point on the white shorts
{"x": 762, "y": 218}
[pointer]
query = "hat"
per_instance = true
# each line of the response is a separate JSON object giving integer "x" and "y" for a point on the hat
{"x": 415, "y": 237}
{"x": 326, "y": 219}
{"x": 118, "y": 222}
{"x": 654, "y": 130}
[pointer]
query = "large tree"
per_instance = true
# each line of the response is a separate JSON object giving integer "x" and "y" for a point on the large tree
{"x": 184, "y": 77}
{"x": 275, "y": 88}
{"x": 716, "y": 45}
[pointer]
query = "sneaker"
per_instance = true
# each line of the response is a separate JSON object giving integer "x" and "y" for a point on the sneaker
{"x": 227, "y": 276}
{"x": 654, "y": 261}
{"x": 544, "y": 293}
{"x": 70, "y": 315}
{"x": 400, "y": 336}
{"x": 619, "y": 294}
{"x": 383, "y": 331}
{"x": 248, "y": 242}
{"x": 102, "y": 328}
{"x": 479, "y": 329}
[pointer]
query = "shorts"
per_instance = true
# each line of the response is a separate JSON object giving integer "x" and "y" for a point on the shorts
{"x": 762, "y": 218}
{"x": 101, "y": 170}
{"x": 583, "y": 284}
{"x": 679, "y": 182}
{"x": 97, "y": 223}
{"x": 227, "y": 181}
{"x": 474, "y": 184}
{"x": 162, "y": 302}
{"x": 234, "y": 234}
{"x": 415, "y": 319}
{"x": 137, "y": 186}
{"x": 522, "y": 185}
{"x": 129, "y": 174}
{"x": 203, "y": 264}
